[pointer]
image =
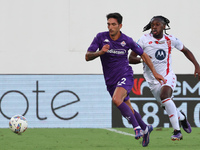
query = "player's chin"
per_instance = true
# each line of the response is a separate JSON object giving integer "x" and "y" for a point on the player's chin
{"x": 155, "y": 33}
{"x": 112, "y": 33}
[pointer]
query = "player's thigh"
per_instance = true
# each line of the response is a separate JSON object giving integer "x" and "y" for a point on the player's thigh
{"x": 155, "y": 90}
{"x": 127, "y": 83}
{"x": 119, "y": 95}
{"x": 171, "y": 80}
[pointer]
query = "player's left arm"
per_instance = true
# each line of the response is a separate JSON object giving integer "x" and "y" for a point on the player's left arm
{"x": 191, "y": 57}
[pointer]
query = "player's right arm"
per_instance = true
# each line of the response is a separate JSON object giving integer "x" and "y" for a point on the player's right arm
{"x": 133, "y": 59}
{"x": 149, "y": 63}
{"x": 92, "y": 55}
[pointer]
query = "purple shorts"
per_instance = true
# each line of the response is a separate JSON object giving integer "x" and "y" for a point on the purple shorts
{"x": 126, "y": 82}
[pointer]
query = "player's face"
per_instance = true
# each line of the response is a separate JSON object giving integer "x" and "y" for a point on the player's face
{"x": 157, "y": 28}
{"x": 113, "y": 27}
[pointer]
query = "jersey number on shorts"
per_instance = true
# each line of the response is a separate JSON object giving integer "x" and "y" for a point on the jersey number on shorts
{"x": 123, "y": 80}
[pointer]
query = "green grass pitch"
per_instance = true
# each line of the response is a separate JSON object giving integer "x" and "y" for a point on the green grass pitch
{"x": 94, "y": 139}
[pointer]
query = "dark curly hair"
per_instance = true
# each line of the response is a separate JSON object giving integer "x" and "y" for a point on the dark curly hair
{"x": 164, "y": 20}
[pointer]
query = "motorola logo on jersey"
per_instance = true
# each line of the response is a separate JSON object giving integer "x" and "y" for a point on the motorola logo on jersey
{"x": 160, "y": 54}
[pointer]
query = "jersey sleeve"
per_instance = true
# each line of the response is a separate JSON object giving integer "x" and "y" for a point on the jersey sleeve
{"x": 94, "y": 46}
{"x": 136, "y": 48}
{"x": 178, "y": 44}
{"x": 140, "y": 42}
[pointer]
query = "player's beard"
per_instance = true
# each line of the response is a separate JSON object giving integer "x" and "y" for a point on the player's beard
{"x": 113, "y": 33}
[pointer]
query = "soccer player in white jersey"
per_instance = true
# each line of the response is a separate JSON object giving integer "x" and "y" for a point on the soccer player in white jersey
{"x": 158, "y": 46}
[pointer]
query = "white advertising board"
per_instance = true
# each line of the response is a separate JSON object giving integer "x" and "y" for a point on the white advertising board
{"x": 49, "y": 101}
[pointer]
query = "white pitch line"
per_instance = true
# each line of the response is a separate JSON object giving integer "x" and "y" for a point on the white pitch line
{"x": 120, "y": 132}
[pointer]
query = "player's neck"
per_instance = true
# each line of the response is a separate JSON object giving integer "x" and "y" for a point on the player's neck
{"x": 115, "y": 37}
{"x": 158, "y": 37}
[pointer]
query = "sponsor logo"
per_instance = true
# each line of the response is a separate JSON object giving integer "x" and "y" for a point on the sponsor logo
{"x": 106, "y": 40}
{"x": 160, "y": 54}
{"x": 186, "y": 97}
{"x": 137, "y": 86}
{"x": 128, "y": 118}
{"x": 117, "y": 51}
{"x": 183, "y": 88}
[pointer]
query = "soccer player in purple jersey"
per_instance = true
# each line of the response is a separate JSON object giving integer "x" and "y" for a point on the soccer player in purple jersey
{"x": 112, "y": 47}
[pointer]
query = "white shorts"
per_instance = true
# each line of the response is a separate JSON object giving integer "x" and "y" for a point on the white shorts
{"x": 170, "y": 81}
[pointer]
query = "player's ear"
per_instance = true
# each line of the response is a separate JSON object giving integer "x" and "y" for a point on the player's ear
{"x": 164, "y": 26}
{"x": 120, "y": 26}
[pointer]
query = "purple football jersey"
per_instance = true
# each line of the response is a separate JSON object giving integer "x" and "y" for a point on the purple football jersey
{"x": 115, "y": 62}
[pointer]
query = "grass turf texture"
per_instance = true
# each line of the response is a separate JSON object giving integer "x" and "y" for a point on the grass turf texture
{"x": 94, "y": 139}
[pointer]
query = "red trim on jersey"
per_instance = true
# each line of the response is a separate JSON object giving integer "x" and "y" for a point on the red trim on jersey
{"x": 166, "y": 100}
{"x": 169, "y": 52}
{"x": 171, "y": 116}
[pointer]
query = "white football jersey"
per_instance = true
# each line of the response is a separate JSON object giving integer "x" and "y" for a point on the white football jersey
{"x": 160, "y": 53}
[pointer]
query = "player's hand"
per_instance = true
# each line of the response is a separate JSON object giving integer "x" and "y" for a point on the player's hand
{"x": 104, "y": 49}
{"x": 160, "y": 78}
{"x": 197, "y": 72}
